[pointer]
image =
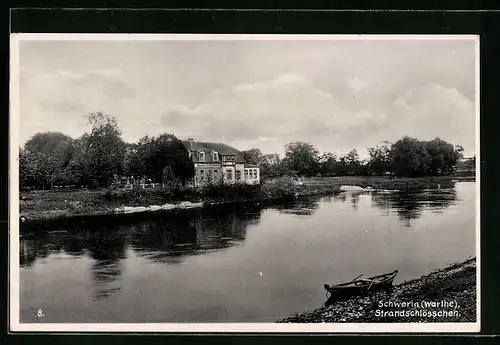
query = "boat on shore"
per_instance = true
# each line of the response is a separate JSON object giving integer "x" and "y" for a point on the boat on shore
{"x": 359, "y": 286}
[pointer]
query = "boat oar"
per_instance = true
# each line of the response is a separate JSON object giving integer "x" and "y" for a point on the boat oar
{"x": 356, "y": 278}
{"x": 369, "y": 287}
{"x": 351, "y": 280}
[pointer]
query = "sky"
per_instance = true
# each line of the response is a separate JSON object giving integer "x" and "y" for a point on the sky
{"x": 336, "y": 94}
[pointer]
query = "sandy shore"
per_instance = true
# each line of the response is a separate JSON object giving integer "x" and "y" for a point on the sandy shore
{"x": 446, "y": 295}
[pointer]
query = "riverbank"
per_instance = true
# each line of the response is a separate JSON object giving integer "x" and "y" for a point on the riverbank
{"x": 445, "y": 295}
{"x": 57, "y": 204}
{"x": 389, "y": 182}
{"x": 60, "y": 204}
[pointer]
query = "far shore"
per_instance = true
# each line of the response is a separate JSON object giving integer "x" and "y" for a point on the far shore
{"x": 63, "y": 204}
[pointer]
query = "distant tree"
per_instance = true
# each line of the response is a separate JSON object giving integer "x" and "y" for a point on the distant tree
{"x": 328, "y": 164}
{"x": 364, "y": 169}
{"x": 302, "y": 158}
{"x": 410, "y": 158}
{"x": 341, "y": 166}
{"x": 471, "y": 163}
{"x": 272, "y": 166}
{"x": 253, "y": 156}
{"x": 380, "y": 158}
{"x": 352, "y": 162}
{"x": 460, "y": 151}
{"x": 441, "y": 156}
{"x": 106, "y": 150}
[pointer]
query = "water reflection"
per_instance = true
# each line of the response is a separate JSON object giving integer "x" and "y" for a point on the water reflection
{"x": 355, "y": 200}
{"x": 169, "y": 239}
{"x": 108, "y": 249}
{"x": 28, "y": 252}
{"x": 163, "y": 239}
{"x": 300, "y": 207}
{"x": 410, "y": 205}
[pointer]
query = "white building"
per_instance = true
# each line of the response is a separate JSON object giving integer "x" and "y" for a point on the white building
{"x": 216, "y": 161}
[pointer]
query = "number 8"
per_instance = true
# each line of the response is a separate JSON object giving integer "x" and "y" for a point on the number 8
{"x": 39, "y": 313}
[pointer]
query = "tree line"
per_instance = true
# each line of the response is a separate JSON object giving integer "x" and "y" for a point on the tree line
{"x": 407, "y": 157}
{"x": 97, "y": 158}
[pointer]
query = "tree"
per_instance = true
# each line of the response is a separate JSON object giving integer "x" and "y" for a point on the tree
{"x": 470, "y": 163}
{"x": 444, "y": 156}
{"x": 31, "y": 173}
{"x": 46, "y": 154}
{"x": 302, "y": 158}
{"x": 134, "y": 160}
{"x": 106, "y": 150}
{"x": 380, "y": 158}
{"x": 328, "y": 164}
{"x": 165, "y": 158}
{"x": 272, "y": 166}
{"x": 352, "y": 163}
{"x": 78, "y": 171}
{"x": 364, "y": 169}
{"x": 410, "y": 158}
{"x": 253, "y": 156}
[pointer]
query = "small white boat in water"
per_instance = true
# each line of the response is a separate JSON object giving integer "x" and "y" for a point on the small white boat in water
{"x": 352, "y": 189}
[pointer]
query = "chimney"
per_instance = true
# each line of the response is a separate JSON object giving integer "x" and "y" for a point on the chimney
{"x": 190, "y": 144}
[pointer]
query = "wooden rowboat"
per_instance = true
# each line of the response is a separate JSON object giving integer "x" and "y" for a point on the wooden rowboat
{"x": 362, "y": 286}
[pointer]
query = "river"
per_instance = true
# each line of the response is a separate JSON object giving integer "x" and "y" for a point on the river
{"x": 238, "y": 264}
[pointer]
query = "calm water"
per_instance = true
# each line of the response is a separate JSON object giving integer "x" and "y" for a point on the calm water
{"x": 238, "y": 265}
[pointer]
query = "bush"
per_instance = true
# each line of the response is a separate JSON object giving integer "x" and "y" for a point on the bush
{"x": 280, "y": 188}
{"x": 231, "y": 192}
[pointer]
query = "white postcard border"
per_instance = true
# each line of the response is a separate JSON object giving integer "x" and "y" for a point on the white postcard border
{"x": 14, "y": 282}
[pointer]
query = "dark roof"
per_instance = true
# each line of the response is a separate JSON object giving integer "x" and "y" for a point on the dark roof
{"x": 223, "y": 149}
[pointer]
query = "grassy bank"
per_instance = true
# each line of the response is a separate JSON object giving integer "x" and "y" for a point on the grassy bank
{"x": 48, "y": 205}
{"x": 451, "y": 290}
{"x": 382, "y": 182}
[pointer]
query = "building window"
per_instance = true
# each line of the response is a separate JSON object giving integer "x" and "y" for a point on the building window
{"x": 202, "y": 156}
{"x": 202, "y": 175}
{"x": 246, "y": 174}
{"x": 215, "y": 156}
{"x": 216, "y": 174}
{"x": 209, "y": 173}
{"x": 238, "y": 175}
{"x": 255, "y": 173}
{"x": 229, "y": 174}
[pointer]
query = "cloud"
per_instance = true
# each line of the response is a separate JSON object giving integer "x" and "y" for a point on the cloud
{"x": 435, "y": 111}
{"x": 286, "y": 108}
{"x": 269, "y": 114}
{"x": 107, "y": 73}
{"x": 58, "y": 99}
{"x": 357, "y": 84}
{"x": 338, "y": 95}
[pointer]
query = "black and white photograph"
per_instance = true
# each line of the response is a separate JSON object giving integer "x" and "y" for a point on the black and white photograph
{"x": 244, "y": 183}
